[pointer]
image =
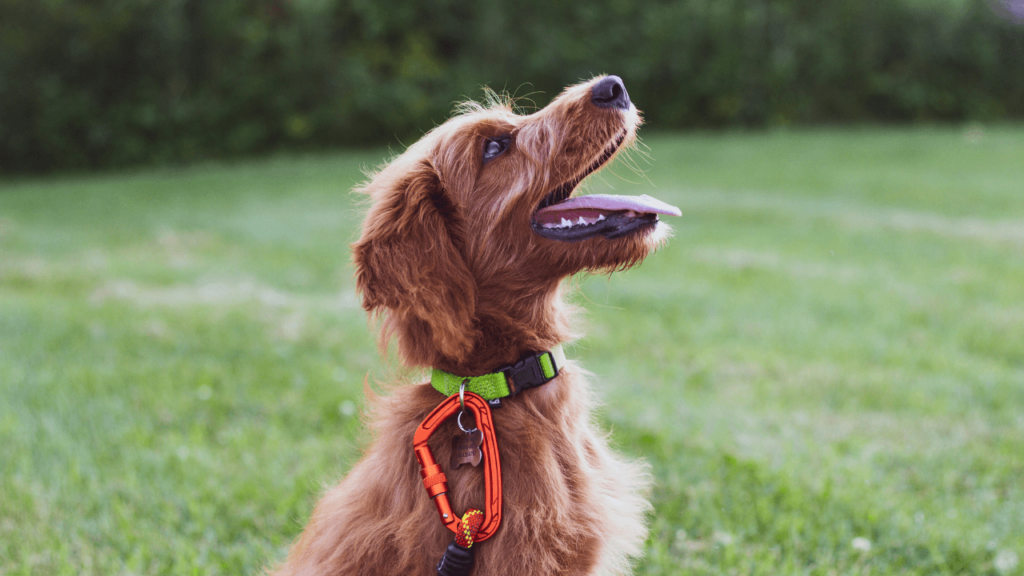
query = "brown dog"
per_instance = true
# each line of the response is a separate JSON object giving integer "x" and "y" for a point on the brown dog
{"x": 469, "y": 236}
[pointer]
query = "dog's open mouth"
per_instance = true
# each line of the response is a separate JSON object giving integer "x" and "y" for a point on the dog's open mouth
{"x": 560, "y": 217}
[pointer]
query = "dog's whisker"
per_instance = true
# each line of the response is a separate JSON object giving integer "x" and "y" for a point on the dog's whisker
{"x": 630, "y": 163}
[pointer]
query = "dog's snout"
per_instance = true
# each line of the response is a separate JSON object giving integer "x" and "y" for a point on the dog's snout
{"x": 610, "y": 93}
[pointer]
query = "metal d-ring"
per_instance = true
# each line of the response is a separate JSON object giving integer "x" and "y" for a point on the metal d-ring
{"x": 462, "y": 406}
{"x": 458, "y": 420}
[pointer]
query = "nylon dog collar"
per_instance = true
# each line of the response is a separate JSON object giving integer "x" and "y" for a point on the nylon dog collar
{"x": 532, "y": 371}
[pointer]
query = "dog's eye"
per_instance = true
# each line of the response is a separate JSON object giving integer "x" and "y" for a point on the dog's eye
{"x": 493, "y": 147}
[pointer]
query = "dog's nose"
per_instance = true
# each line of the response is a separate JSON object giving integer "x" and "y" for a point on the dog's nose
{"x": 610, "y": 93}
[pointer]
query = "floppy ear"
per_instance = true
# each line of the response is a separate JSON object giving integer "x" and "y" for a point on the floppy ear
{"x": 409, "y": 261}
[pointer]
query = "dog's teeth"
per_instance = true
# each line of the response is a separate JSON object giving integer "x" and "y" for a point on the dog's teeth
{"x": 581, "y": 221}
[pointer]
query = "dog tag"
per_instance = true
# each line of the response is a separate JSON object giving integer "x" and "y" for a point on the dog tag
{"x": 466, "y": 449}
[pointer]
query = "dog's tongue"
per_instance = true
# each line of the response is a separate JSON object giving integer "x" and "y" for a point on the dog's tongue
{"x": 613, "y": 203}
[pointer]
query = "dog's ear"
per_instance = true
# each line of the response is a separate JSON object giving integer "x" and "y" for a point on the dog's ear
{"x": 409, "y": 262}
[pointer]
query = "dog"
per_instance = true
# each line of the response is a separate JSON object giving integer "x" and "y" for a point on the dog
{"x": 463, "y": 252}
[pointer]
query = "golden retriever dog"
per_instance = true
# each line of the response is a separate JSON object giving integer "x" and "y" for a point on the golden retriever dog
{"x": 464, "y": 249}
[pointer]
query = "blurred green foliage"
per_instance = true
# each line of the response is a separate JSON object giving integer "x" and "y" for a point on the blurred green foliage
{"x": 102, "y": 83}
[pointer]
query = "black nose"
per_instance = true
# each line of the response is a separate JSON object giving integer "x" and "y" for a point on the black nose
{"x": 610, "y": 93}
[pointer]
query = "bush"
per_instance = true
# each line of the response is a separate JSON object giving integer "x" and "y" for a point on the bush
{"x": 103, "y": 83}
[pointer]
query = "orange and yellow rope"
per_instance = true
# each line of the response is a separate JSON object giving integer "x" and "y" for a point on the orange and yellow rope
{"x": 470, "y": 524}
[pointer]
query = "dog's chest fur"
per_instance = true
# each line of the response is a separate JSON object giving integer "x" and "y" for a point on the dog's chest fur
{"x": 571, "y": 505}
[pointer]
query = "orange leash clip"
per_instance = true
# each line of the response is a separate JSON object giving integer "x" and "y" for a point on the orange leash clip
{"x": 434, "y": 479}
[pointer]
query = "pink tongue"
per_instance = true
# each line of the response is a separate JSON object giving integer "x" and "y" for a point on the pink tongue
{"x": 613, "y": 203}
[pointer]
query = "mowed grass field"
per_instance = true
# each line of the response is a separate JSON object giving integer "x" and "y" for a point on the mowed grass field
{"x": 824, "y": 368}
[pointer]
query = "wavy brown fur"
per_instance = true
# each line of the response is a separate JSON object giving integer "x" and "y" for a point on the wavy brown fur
{"x": 448, "y": 256}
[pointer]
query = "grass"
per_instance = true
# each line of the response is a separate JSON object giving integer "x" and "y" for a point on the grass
{"x": 825, "y": 368}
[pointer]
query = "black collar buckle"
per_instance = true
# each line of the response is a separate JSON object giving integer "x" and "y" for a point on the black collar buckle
{"x": 527, "y": 373}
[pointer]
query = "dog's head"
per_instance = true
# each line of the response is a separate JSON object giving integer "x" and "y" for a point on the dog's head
{"x": 473, "y": 226}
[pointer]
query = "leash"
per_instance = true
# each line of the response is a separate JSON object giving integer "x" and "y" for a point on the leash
{"x": 478, "y": 394}
{"x": 458, "y": 558}
{"x": 474, "y": 526}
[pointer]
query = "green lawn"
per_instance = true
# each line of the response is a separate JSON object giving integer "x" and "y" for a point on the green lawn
{"x": 825, "y": 367}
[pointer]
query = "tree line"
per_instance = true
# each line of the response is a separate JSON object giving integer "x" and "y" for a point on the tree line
{"x": 107, "y": 83}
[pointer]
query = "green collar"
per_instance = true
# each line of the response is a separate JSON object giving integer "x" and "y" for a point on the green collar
{"x": 530, "y": 372}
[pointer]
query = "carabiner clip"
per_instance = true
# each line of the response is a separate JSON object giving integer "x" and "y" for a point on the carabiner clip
{"x": 434, "y": 479}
